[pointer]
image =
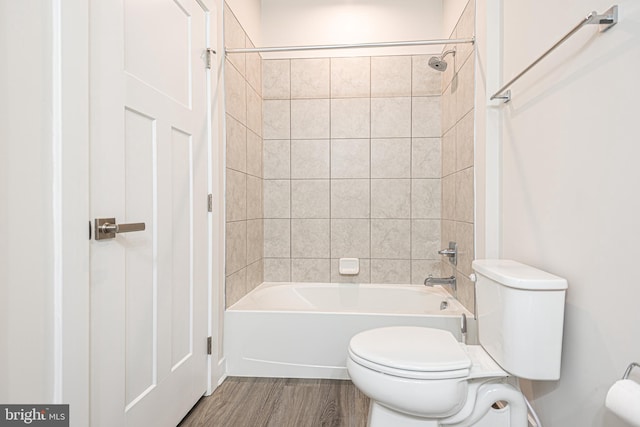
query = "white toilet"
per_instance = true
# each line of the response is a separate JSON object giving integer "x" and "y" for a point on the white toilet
{"x": 424, "y": 377}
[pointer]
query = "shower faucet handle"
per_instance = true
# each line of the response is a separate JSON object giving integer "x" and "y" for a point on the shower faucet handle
{"x": 451, "y": 252}
{"x": 447, "y": 252}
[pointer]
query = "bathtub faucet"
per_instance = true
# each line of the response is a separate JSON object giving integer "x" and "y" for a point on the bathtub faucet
{"x": 451, "y": 281}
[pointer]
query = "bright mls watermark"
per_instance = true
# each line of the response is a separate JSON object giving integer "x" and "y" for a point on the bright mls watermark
{"x": 34, "y": 415}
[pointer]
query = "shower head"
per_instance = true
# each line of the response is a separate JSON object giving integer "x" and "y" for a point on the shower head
{"x": 438, "y": 63}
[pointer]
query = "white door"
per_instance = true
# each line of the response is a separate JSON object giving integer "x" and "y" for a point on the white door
{"x": 148, "y": 164}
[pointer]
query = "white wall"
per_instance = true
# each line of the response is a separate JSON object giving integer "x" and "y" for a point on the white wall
{"x": 44, "y": 285}
{"x": 26, "y": 248}
{"x": 312, "y": 22}
{"x": 569, "y": 187}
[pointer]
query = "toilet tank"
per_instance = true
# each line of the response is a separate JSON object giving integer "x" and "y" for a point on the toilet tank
{"x": 520, "y": 312}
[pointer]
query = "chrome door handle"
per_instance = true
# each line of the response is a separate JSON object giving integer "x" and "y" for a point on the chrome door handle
{"x": 106, "y": 228}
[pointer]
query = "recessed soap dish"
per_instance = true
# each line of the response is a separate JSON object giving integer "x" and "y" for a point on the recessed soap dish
{"x": 349, "y": 266}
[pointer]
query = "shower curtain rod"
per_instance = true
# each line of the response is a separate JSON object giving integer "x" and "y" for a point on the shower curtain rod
{"x": 350, "y": 46}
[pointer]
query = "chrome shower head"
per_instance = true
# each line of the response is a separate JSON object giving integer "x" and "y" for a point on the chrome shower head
{"x": 438, "y": 63}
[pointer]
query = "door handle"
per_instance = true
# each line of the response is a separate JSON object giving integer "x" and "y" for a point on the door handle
{"x": 107, "y": 228}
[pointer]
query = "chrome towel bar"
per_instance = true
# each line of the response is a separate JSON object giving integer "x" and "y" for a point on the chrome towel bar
{"x": 606, "y": 20}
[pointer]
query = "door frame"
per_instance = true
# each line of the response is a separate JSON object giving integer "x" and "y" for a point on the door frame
{"x": 71, "y": 306}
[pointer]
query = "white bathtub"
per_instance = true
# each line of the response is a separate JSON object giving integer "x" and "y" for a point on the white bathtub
{"x": 302, "y": 330}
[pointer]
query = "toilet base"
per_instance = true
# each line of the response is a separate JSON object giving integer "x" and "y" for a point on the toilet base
{"x": 381, "y": 416}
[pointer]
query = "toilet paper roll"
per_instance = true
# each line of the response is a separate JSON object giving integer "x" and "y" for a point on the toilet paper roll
{"x": 623, "y": 399}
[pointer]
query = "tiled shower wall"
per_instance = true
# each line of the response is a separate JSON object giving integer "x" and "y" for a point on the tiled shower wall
{"x": 244, "y": 219}
{"x": 352, "y": 168}
{"x": 457, "y": 156}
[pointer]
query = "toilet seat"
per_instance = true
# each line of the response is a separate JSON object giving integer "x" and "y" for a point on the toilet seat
{"x": 411, "y": 352}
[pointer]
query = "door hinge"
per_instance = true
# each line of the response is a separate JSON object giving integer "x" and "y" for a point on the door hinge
{"x": 208, "y": 57}
{"x": 210, "y": 203}
{"x": 209, "y": 345}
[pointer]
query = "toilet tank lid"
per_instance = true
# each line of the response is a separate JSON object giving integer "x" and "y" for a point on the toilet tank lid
{"x": 517, "y": 275}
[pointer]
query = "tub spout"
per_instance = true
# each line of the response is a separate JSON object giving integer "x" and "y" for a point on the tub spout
{"x": 451, "y": 281}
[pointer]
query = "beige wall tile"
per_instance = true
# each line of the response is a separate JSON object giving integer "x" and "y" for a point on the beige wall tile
{"x": 465, "y": 141}
{"x": 350, "y": 198}
{"x": 363, "y": 276}
{"x": 426, "y": 158}
{"x": 310, "y": 270}
{"x": 277, "y": 159}
{"x": 426, "y": 198}
{"x": 236, "y": 144}
{"x": 236, "y": 196}
{"x": 464, "y": 94}
{"x": 390, "y": 76}
{"x": 390, "y": 239}
{"x": 465, "y": 29}
{"x": 350, "y": 77}
{"x": 235, "y": 93}
{"x": 425, "y": 239}
{"x": 351, "y": 178}
{"x": 277, "y": 198}
{"x": 277, "y": 269}
{"x": 254, "y": 154}
{"x": 449, "y": 197}
{"x": 449, "y": 152}
{"x": 310, "y": 118}
{"x": 426, "y": 117}
{"x": 255, "y": 240}
{"x": 390, "y": 271}
{"x": 254, "y": 70}
{"x": 464, "y": 238}
{"x": 235, "y": 287}
{"x": 277, "y": 238}
{"x": 310, "y": 198}
{"x": 310, "y": 78}
{"x": 448, "y": 112}
{"x": 350, "y": 158}
{"x": 255, "y": 275}
{"x": 276, "y": 119}
{"x": 464, "y": 195}
{"x": 391, "y": 198}
{"x": 448, "y": 233}
{"x": 350, "y": 118}
{"x": 391, "y": 117}
{"x": 391, "y": 158}
{"x": 236, "y": 253}
{"x": 276, "y": 79}
{"x": 421, "y": 269}
{"x": 447, "y": 270}
{"x": 254, "y": 111}
{"x": 350, "y": 238}
{"x": 449, "y": 74}
{"x": 465, "y": 293}
{"x": 234, "y": 37}
{"x": 425, "y": 80}
{"x": 254, "y": 198}
{"x": 310, "y": 238}
{"x": 309, "y": 159}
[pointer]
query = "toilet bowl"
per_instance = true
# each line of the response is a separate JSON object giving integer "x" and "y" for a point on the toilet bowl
{"x": 424, "y": 377}
{"x": 419, "y": 376}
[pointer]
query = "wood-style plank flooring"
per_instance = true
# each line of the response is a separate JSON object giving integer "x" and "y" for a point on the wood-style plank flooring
{"x": 281, "y": 402}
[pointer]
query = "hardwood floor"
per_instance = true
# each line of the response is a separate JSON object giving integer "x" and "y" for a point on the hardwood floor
{"x": 281, "y": 402}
